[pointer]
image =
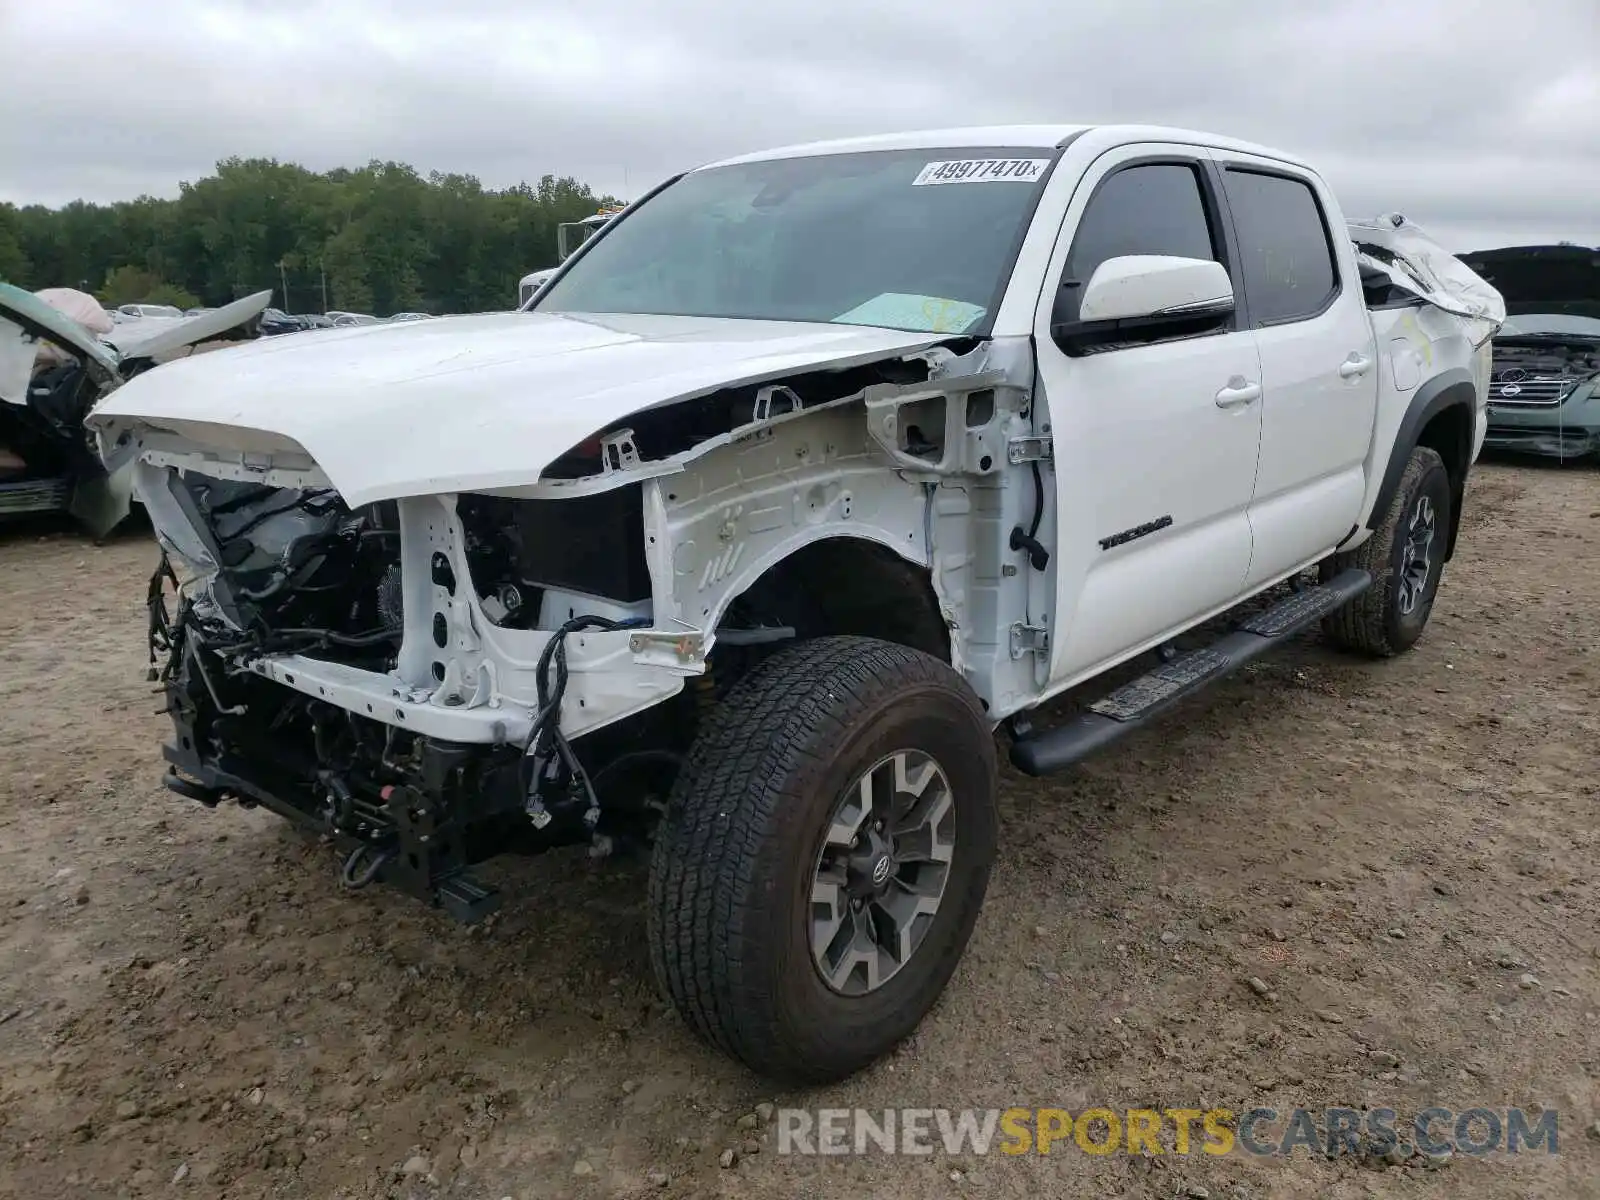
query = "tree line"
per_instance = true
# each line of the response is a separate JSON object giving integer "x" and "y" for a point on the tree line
{"x": 381, "y": 239}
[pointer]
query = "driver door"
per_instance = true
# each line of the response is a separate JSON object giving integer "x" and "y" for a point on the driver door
{"x": 1156, "y": 441}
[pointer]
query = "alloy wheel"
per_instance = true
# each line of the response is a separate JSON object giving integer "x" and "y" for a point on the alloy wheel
{"x": 881, "y": 872}
{"x": 1416, "y": 557}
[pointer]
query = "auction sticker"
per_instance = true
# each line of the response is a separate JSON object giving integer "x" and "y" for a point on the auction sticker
{"x": 981, "y": 170}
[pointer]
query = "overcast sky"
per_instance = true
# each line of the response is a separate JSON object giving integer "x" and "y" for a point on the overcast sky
{"x": 1481, "y": 121}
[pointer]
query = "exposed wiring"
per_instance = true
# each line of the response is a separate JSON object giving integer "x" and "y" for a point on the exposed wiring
{"x": 193, "y": 655}
{"x": 1038, "y": 556}
{"x": 162, "y": 634}
{"x": 330, "y": 637}
{"x": 354, "y": 881}
{"x": 547, "y": 747}
{"x": 265, "y": 514}
{"x": 1038, "y": 500}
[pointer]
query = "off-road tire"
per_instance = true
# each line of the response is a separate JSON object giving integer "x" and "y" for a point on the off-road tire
{"x": 1373, "y": 622}
{"x": 729, "y": 899}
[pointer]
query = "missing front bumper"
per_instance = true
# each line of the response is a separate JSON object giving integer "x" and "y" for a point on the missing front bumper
{"x": 416, "y": 837}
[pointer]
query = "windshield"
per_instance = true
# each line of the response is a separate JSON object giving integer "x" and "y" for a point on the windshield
{"x": 920, "y": 240}
{"x": 1550, "y": 324}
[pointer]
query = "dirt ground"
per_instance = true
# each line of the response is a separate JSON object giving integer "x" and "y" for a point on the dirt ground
{"x": 1405, "y": 853}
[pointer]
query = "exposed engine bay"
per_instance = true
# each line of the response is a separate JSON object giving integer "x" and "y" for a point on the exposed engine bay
{"x": 1540, "y": 373}
{"x": 296, "y": 572}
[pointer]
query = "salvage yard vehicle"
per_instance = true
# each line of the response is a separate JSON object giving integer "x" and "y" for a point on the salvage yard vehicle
{"x": 1544, "y": 397}
{"x": 274, "y": 321}
{"x": 52, "y": 371}
{"x": 136, "y": 312}
{"x": 569, "y": 236}
{"x": 528, "y": 286}
{"x": 816, "y": 468}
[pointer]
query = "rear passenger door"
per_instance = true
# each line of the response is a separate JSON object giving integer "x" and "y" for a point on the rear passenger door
{"x": 1319, "y": 367}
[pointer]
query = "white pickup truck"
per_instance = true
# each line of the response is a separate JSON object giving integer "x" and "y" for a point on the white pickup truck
{"x": 808, "y": 472}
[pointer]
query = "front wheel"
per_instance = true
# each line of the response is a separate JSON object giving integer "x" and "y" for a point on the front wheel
{"x": 824, "y": 854}
{"x": 1405, "y": 556}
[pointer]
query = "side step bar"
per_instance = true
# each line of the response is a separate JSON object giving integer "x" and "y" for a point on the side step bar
{"x": 1135, "y": 704}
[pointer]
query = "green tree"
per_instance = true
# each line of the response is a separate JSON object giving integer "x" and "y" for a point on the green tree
{"x": 345, "y": 259}
{"x": 13, "y": 262}
{"x": 377, "y": 238}
{"x": 135, "y": 285}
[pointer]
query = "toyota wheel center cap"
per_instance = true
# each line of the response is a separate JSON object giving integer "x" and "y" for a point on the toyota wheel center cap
{"x": 881, "y": 869}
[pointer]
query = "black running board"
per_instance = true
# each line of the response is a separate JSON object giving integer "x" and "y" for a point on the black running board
{"x": 1135, "y": 704}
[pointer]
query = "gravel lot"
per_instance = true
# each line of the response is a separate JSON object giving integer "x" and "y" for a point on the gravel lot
{"x": 190, "y": 1005}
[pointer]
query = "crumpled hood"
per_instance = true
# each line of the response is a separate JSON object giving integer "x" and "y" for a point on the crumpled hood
{"x": 469, "y": 403}
{"x": 159, "y": 338}
{"x": 1416, "y": 263}
{"x": 1543, "y": 279}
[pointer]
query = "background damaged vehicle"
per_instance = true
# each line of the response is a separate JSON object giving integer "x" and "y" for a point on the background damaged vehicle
{"x": 1545, "y": 395}
{"x": 808, "y": 471}
{"x": 54, "y": 368}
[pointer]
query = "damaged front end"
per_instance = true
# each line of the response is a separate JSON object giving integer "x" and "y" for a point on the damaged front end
{"x": 454, "y": 587}
{"x": 432, "y": 680}
{"x": 278, "y": 628}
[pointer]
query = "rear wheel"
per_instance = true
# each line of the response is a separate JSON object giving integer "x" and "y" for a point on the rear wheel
{"x": 1405, "y": 556}
{"x": 824, "y": 855}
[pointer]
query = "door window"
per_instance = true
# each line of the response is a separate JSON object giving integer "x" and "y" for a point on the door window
{"x": 1284, "y": 247}
{"x": 1153, "y": 208}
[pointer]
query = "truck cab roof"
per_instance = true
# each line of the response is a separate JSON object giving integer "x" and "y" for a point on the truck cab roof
{"x": 1033, "y": 136}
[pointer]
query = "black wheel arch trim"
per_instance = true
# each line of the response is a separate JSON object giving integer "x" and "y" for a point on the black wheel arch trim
{"x": 1446, "y": 390}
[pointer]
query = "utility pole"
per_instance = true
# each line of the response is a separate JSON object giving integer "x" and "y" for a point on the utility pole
{"x": 283, "y": 277}
{"x": 321, "y": 266}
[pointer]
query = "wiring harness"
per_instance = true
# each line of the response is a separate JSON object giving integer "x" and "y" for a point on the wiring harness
{"x": 1038, "y": 556}
{"x": 165, "y": 630}
{"x": 547, "y": 750}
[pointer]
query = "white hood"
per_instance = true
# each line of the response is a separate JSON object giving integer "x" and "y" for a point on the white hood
{"x": 470, "y": 403}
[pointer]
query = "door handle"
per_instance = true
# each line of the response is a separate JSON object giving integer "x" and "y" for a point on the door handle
{"x": 1355, "y": 366}
{"x": 1238, "y": 392}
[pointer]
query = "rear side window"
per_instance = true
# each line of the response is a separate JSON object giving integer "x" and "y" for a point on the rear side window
{"x": 1284, "y": 247}
{"x": 1155, "y": 208}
